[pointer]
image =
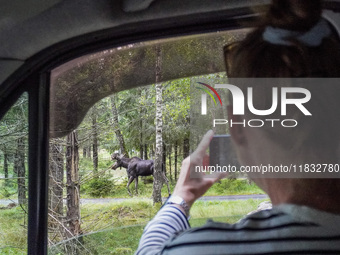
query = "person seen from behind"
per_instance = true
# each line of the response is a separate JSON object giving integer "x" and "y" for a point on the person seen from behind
{"x": 293, "y": 41}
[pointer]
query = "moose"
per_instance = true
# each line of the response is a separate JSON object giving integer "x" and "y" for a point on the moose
{"x": 136, "y": 167}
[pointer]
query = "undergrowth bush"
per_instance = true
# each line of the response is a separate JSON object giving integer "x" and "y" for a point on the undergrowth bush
{"x": 8, "y": 189}
{"x": 99, "y": 187}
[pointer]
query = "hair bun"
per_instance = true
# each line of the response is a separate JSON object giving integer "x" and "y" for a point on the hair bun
{"x": 298, "y": 15}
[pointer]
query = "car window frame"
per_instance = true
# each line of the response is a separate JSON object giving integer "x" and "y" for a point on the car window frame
{"x": 34, "y": 78}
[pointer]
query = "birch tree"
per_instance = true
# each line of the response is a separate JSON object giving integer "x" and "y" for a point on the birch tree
{"x": 157, "y": 183}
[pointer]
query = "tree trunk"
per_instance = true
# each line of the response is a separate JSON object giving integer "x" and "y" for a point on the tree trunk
{"x": 180, "y": 152}
{"x": 21, "y": 171}
{"x": 141, "y": 146}
{"x": 72, "y": 172}
{"x": 164, "y": 159}
{"x": 186, "y": 147}
{"x": 157, "y": 183}
{"x": 145, "y": 151}
{"x": 169, "y": 154}
{"x": 56, "y": 185}
{"x": 141, "y": 116}
{"x": 88, "y": 151}
{"x": 6, "y": 164}
{"x": 94, "y": 139}
{"x": 176, "y": 154}
{"x": 141, "y": 151}
{"x": 6, "y": 168}
{"x": 116, "y": 128}
{"x": 152, "y": 152}
{"x": 84, "y": 152}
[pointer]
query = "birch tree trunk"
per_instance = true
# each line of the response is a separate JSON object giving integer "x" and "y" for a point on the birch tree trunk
{"x": 116, "y": 127}
{"x": 158, "y": 180}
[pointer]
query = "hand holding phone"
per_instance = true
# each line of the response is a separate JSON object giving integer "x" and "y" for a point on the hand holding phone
{"x": 221, "y": 152}
{"x": 191, "y": 185}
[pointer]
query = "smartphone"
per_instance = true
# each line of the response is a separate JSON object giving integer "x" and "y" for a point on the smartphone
{"x": 221, "y": 152}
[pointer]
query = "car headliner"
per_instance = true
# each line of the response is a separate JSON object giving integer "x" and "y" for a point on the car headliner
{"x": 28, "y": 27}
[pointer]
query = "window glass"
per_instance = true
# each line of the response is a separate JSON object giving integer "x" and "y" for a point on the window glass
{"x": 130, "y": 101}
{"x": 13, "y": 178}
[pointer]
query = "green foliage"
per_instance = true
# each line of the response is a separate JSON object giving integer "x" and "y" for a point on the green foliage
{"x": 13, "y": 127}
{"x": 8, "y": 190}
{"x": 99, "y": 186}
{"x": 86, "y": 164}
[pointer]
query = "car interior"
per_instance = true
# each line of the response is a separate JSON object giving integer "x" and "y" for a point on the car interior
{"x": 64, "y": 64}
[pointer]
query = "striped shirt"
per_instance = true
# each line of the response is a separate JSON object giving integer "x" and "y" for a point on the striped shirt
{"x": 285, "y": 229}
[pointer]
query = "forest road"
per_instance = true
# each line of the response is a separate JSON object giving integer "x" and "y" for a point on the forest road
{"x": 5, "y": 202}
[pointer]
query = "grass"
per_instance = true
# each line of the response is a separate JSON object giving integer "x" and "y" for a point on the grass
{"x": 233, "y": 187}
{"x": 139, "y": 211}
{"x": 111, "y": 221}
{"x": 13, "y": 231}
{"x": 115, "y": 228}
{"x": 130, "y": 212}
{"x": 216, "y": 209}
